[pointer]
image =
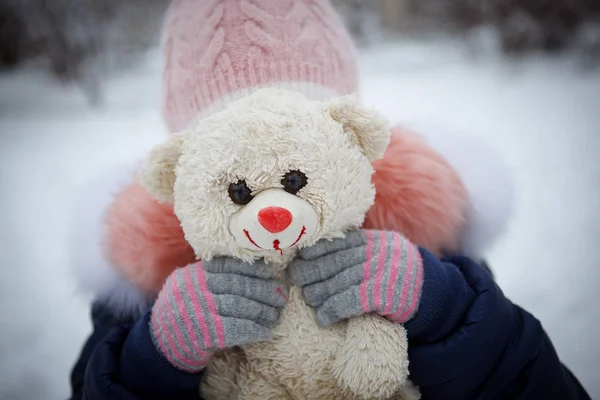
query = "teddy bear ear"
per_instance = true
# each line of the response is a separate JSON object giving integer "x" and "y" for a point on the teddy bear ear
{"x": 370, "y": 130}
{"x": 157, "y": 174}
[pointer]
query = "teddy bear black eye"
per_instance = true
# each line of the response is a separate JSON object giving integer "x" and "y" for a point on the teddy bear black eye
{"x": 293, "y": 181}
{"x": 240, "y": 193}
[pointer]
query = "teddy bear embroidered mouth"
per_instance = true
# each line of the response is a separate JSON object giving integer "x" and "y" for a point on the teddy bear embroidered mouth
{"x": 276, "y": 242}
{"x": 250, "y": 239}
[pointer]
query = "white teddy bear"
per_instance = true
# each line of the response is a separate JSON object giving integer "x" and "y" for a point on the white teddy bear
{"x": 272, "y": 173}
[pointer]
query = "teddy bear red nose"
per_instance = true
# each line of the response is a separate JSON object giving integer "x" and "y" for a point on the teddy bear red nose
{"x": 274, "y": 219}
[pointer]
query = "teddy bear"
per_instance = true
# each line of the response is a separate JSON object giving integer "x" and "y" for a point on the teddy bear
{"x": 145, "y": 240}
{"x": 272, "y": 173}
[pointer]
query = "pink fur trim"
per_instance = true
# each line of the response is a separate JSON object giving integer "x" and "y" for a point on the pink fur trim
{"x": 418, "y": 194}
{"x": 144, "y": 239}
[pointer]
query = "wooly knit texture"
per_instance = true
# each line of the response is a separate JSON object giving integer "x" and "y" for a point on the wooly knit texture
{"x": 217, "y": 51}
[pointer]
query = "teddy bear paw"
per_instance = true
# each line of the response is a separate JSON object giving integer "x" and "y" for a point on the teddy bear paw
{"x": 373, "y": 369}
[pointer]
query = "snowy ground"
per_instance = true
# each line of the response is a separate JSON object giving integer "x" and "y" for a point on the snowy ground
{"x": 543, "y": 115}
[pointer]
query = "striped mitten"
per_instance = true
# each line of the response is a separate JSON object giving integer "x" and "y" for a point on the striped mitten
{"x": 367, "y": 271}
{"x": 214, "y": 305}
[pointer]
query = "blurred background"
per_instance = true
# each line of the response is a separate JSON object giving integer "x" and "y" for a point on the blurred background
{"x": 80, "y": 91}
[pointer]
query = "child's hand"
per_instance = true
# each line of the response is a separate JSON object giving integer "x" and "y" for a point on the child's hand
{"x": 214, "y": 305}
{"x": 367, "y": 271}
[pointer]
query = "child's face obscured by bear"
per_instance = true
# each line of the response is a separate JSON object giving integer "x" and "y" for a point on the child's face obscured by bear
{"x": 273, "y": 172}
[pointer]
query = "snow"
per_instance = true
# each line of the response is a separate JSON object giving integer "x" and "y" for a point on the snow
{"x": 543, "y": 115}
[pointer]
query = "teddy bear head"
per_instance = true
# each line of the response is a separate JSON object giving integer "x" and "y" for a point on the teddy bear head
{"x": 273, "y": 172}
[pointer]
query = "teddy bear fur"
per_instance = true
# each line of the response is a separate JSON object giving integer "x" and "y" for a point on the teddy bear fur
{"x": 125, "y": 242}
{"x": 259, "y": 139}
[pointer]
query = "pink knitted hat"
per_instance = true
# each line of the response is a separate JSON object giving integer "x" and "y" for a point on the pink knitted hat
{"x": 217, "y": 51}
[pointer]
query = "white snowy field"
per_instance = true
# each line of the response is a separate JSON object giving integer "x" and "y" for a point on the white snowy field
{"x": 543, "y": 115}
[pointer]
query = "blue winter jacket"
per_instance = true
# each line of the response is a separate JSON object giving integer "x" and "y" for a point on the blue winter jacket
{"x": 467, "y": 341}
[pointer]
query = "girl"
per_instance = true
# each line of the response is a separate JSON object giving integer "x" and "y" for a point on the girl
{"x": 467, "y": 341}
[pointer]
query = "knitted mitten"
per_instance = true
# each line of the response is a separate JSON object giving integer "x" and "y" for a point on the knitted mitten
{"x": 214, "y": 305}
{"x": 367, "y": 271}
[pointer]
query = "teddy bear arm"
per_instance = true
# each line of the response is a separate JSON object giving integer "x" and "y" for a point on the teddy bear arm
{"x": 372, "y": 368}
{"x": 232, "y": 376}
